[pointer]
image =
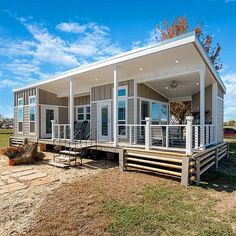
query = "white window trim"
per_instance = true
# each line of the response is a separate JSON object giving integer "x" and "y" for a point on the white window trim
{"x": 20, "y": 106}
{"x": 32, "y": 105}
{"x": 123, "y": 98}
{"x": 85, "y": 113}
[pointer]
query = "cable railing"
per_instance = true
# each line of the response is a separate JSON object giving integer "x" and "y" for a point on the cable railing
{"x": 150, "y": 136}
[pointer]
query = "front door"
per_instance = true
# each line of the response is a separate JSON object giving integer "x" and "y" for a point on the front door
{"x": 104, "y": 121}
{"x": 49, "y": 113}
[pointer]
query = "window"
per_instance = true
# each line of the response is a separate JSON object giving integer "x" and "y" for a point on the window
{"x": 87, "y": 113}
{"x": 158, "y": 111}
{"x": 144, "y": 110}
{"x": 121, "y": 92}
{"x": 155, "y": 113}
{"x": 32, "y": 100}
{"x": 20, "y": 102}
{"x": 20, "y": 114}
{"x": 83, "y": 113}
{"x": 122, "y": 117}
{"x": 164, "y": 113}
{"x": 80, "y": 113}
{"x": 32, "y": 113}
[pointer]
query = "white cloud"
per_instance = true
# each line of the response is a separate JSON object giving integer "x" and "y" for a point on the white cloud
{"x": 51, "y": 49}
{"x": 152, "y": 38}
{"x": 72, "y": 27}
{"x": 4, "y": 83}
{"x": 230, "y": 108}
{"x": 96, "y": 43}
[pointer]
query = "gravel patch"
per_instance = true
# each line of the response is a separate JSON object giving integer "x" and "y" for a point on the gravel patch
{"x": 19, "y": 209}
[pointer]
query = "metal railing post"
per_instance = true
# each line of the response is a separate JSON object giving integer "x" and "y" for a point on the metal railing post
{"x": 147, "y": 133}
{"x": 189, "y": 135}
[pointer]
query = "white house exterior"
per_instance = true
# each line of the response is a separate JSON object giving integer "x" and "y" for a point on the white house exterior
{"x": 126, "y": 98}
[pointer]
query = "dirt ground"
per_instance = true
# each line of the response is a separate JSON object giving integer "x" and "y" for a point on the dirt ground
{"x": 78, "y": 210}
{"x": 73, "y": 204}
{"x": 75, "y": 209}
{"x": 18, "y": 210}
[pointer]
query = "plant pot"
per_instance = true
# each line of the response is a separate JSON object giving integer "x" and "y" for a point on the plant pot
{"x": 12, "y": 162}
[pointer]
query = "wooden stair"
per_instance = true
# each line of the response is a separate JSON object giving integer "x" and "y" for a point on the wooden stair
{"x": 67, "y": 152}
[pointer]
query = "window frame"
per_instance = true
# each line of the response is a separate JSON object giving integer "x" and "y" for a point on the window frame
{"x": 34, "y": 106}
{"x": 20, "y": 106}
{"x": 150, "y": 101}
{"x": 85, "y": 113}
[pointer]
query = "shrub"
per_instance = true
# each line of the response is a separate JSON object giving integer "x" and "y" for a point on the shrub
{"x": 13, "y": 152}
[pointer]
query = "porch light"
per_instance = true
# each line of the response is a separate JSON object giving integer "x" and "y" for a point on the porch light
{"x": 141, "y": 68}
{"x": 96, "y": 79}
{"x": 177, "y": 61}
{"x": 197, "y": 84}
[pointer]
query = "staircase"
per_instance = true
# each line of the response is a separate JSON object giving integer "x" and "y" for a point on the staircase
{"x": 174, "y": 164}
{"x": 66, "y": 153}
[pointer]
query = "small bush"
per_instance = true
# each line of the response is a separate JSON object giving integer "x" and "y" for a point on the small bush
{"x": 13, "y": 152}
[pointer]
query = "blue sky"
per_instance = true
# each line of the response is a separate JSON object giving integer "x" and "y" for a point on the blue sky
{"x": 41, "y": 38}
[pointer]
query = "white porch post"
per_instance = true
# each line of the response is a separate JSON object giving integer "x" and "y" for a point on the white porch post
{"x": 53, "y": 129}
{"x": 115, "y": 107}
{"x": 135, "y": 133}
{"x": 71, "y": 111}
{"x": 189, "y": 135}
{"x": 214, "y": 111}
{"x": 148, "y": 133}
{"x": 202, "y": 108}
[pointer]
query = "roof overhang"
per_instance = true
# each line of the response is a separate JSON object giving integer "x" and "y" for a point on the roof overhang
{"x": 135, "y": 54}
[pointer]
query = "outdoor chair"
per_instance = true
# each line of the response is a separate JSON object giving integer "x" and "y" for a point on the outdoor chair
{"x": 80, "y": 130}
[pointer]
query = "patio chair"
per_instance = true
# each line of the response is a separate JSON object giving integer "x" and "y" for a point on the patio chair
{"x": 80, "y": 130}
{"x": 158, "y": 136}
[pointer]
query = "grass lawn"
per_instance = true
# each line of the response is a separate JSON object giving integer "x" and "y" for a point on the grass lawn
{"x": 164, "y": 210}
{"x": 133, "y": 203}
{"x": 4, "y": 136}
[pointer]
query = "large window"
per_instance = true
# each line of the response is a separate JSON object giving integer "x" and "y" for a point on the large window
{"x": 158, "y": 111}
{"x": 83, "y": 113}
{"x": 164, "y": 113}
{"x": 20, "y": 115}
{"x": 32, "y": 113}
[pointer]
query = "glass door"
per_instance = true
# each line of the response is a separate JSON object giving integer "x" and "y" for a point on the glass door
{"x": 104, "y": 121}
{"x": 48, "y": 113}
{"x": 49, "y": 118}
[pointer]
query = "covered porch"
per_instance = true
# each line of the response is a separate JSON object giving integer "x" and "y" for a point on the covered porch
{"x": 120, "y": 117}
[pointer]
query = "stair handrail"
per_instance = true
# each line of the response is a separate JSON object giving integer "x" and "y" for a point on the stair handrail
{"x": 59, "y": 142}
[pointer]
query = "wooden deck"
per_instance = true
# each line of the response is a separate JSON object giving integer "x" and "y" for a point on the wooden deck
{"x": 169, "y": 162}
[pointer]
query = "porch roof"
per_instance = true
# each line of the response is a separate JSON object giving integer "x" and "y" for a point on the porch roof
{"x": 170, "y": 57}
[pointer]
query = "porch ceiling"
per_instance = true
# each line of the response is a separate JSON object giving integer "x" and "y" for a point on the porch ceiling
{"x": 187, "y": 85}
{"x": 153, "y": 66}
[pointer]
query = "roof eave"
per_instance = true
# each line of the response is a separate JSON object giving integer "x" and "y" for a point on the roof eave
{"x": 170, "y": 43}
